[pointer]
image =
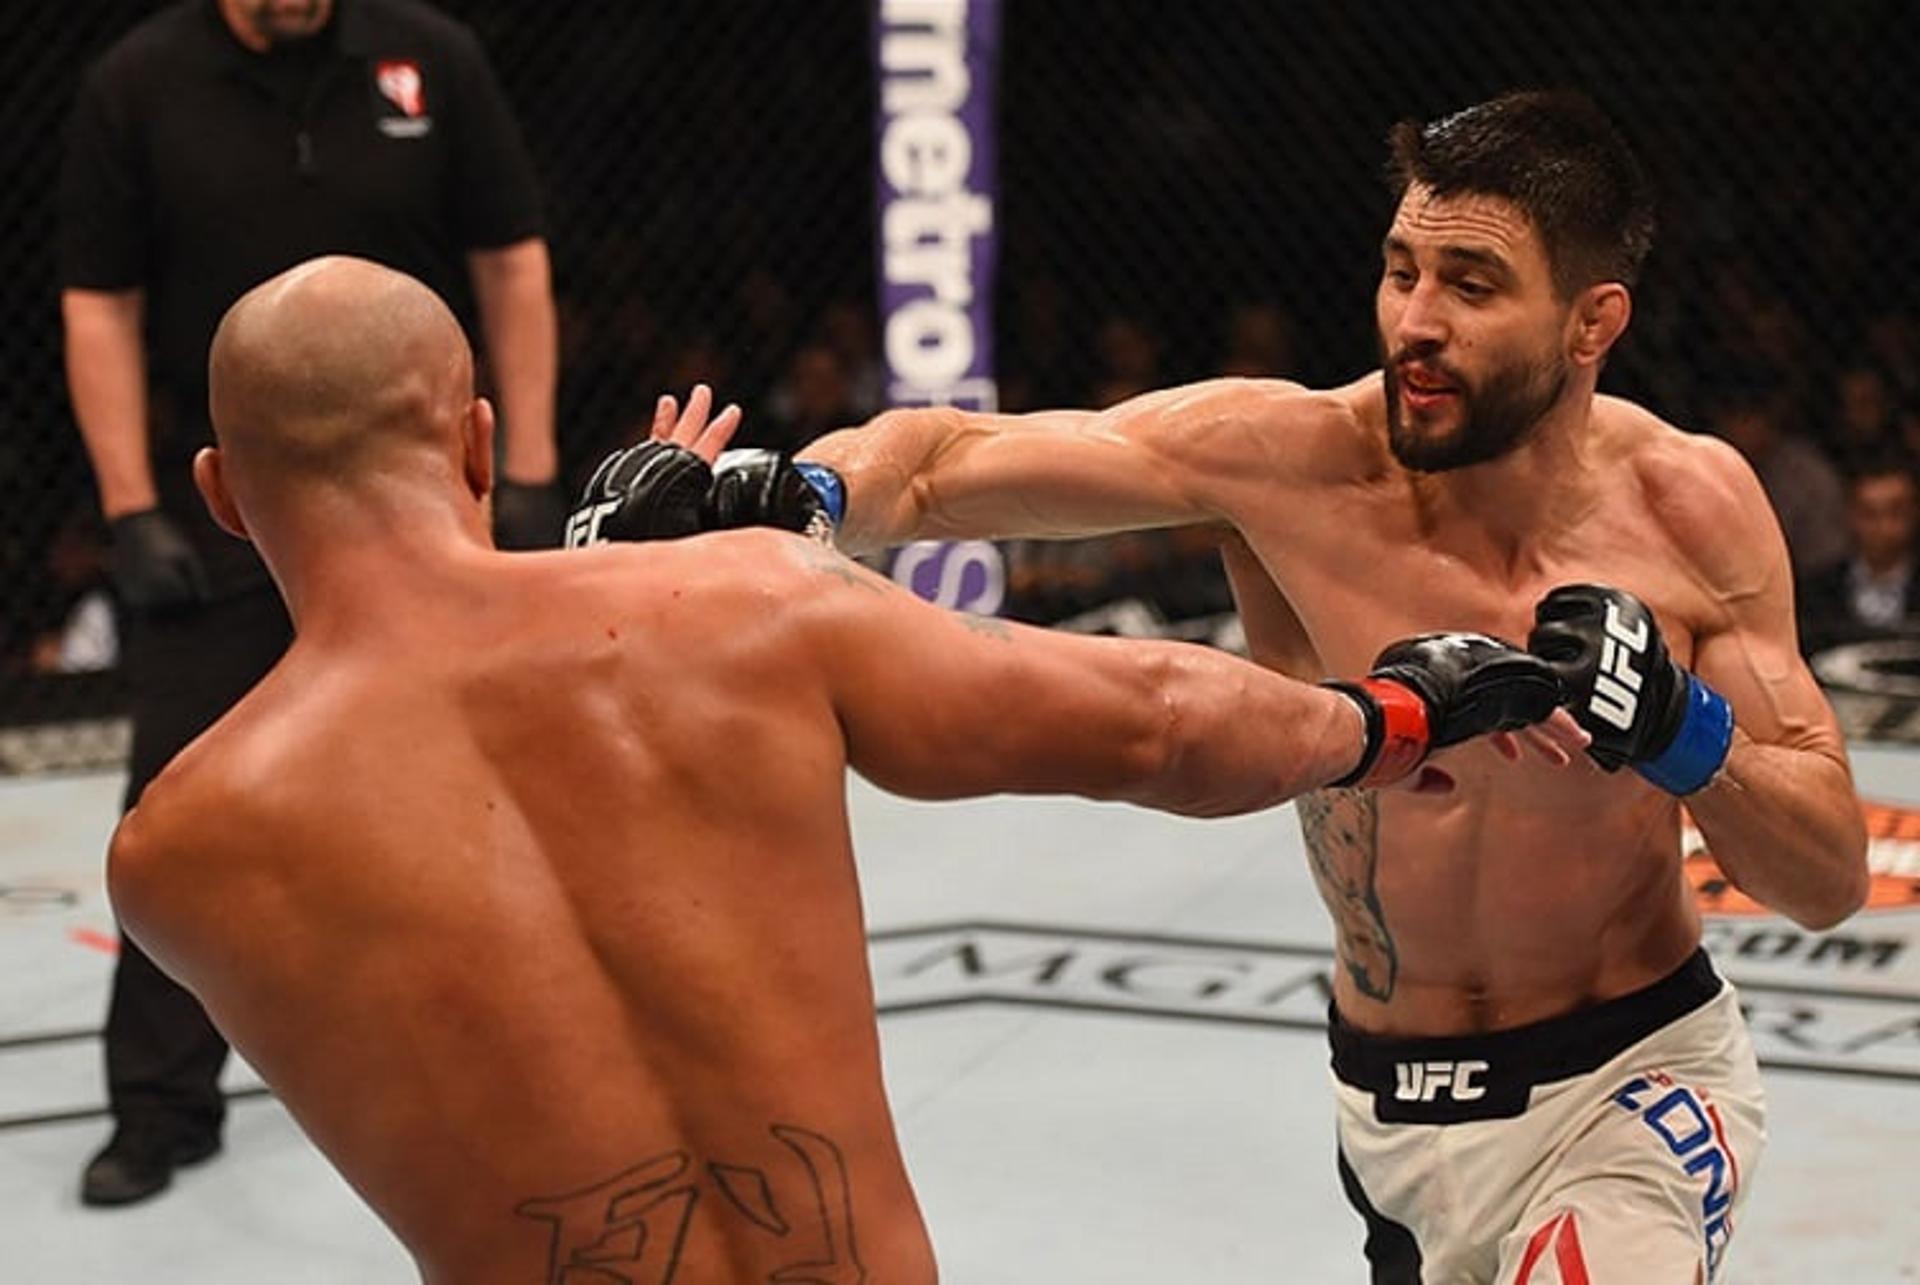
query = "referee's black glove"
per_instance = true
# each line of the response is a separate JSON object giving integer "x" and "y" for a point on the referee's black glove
{"x": 155, "y": 568}
{"x": 528, "y": 515}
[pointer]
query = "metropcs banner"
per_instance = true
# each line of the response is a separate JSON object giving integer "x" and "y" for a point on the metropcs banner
{"x": 936, "y": 61}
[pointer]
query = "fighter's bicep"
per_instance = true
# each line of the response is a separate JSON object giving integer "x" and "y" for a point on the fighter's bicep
{"x": 1172, "y": 457}
{"x": 940, "y": 704}
{"x": 1747, "y": 645}
{"x": 1775, "y": 698}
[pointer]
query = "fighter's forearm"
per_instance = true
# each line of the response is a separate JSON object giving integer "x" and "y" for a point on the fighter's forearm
{"x": 1236, "y": 738}
{"x": 513, "y": 291}
{"x": 900, "y": 470}
{"x": 1784, "y": 824}
{"x": 107, "y": 383}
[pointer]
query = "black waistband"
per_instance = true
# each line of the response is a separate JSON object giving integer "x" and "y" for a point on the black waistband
{"x": 1451, "y": 1078}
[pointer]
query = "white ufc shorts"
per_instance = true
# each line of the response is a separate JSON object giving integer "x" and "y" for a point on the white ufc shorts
{"x": 1612, "y": 1146}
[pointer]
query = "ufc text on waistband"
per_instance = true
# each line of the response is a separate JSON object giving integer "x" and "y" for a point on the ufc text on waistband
{"x": 1453, "y": 1079}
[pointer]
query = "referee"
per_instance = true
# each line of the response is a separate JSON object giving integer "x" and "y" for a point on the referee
{"x": 215, "y": 145}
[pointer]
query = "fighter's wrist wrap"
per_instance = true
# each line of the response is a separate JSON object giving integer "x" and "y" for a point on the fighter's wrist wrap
{"x": 1397, "y": 731}
{"x": 826, "y": 484}
{"x": 1699, "y": 746}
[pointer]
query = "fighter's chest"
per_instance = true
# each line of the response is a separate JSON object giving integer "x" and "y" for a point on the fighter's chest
{"x": 1386, "y": 580}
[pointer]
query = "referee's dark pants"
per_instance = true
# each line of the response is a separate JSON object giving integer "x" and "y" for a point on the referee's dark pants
{"x": 185, "y": 670}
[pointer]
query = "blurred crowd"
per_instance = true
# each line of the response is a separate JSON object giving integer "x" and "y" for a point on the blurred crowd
{"x": 1834, "y": 444}
{"x": 1174, "y": 210}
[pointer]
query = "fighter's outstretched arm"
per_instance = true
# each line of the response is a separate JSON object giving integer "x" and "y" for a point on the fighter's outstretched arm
{"x": 1781, "y": 816}
{"x": 1163, "y": 458}
{"x": 935, "y": 704}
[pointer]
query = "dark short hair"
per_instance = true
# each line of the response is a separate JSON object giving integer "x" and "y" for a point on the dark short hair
{"x": 1559, "y": 159}
{"x": 1886, "y": 460}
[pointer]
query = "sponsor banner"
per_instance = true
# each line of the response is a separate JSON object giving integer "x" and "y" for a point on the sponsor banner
{"x": 1875, "y": 951}
{"x": 1824, "y": 1006}
{"x": 936, "y": 63}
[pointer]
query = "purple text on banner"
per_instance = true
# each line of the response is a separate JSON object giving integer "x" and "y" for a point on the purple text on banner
{"x": 936, "y": 61}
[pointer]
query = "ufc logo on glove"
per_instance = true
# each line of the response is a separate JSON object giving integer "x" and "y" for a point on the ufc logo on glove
{"x": 1616, "y": 687}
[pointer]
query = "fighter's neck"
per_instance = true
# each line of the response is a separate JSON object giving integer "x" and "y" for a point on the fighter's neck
{"x": 375, "y": 568}
{"x": 1543, "y": 485}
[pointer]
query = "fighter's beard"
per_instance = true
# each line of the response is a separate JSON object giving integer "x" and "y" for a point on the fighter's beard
{"x": 1494, "y": 420}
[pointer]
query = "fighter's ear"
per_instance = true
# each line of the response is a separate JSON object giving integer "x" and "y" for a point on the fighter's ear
{"x": 476, "y": 441}
{"x": 212, "y": 484}
{"x": 1600, "y": 316}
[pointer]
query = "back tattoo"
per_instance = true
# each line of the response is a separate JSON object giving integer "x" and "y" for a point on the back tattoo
{"x": 631, "y": 1228}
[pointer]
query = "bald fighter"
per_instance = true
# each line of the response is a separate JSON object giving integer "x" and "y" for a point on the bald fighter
{"x": 524, "y": 879}
{"x": 1536, "y": 1067}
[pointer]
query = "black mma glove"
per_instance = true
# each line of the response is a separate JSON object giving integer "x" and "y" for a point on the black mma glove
{"x": 1642, "y": 710}
{"x": 154, "y": 567}
{"x": 658, "y": 491}
{"x": 1436, "y": 690}
{"x": 766, "y": 488}
{"x": 653, "y": 491}
{"x": 528, "y": 515}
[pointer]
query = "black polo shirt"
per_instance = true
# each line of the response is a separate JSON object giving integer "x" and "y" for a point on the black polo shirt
{"x": 197, "y": 168}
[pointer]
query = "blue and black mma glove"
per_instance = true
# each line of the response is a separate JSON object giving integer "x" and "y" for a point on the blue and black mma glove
{"x": 1642, "y": 710}
{"x": 766, "y": 488}
{"x": 659, "y": 491}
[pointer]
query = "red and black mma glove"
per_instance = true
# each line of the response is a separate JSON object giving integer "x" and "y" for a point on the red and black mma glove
{"x": 1643, "y": 710}
{"x": 659, "y": 491}
{"x": 1426, "y": 693}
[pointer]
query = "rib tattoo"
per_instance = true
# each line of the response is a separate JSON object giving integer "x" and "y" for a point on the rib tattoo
{"x": 1341, "y": 829}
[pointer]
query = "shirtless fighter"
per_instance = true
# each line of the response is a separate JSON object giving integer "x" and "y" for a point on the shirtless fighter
{"x": 524, "y": 879}
{"x": 1536, "y": 1067}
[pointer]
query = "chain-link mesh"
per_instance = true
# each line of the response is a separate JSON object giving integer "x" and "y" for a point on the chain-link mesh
{"x": 1187, "y": 189}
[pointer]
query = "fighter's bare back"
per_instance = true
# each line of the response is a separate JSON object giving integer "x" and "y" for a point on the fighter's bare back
{"x": 626, "y": 877}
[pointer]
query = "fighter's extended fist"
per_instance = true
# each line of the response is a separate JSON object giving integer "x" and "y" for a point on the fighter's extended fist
{"x": 659, "y": 491}
{"x": 653, "y": 491}
{"x": 1436, "y": 690}
{"x": 1642, "y": 710}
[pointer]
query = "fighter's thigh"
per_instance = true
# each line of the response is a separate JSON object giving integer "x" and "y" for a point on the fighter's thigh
{"x": 1594, "y": 1236}
{"x": 1647, "y": 1193}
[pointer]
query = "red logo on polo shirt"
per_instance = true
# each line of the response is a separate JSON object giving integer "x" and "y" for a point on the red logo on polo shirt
{"x": 400, "y": 83}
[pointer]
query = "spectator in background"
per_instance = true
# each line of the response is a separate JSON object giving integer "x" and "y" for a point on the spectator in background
{"x": 1801, "y": 483}
{"x": 1907, "y": 430}
{"x": 1129, "y": 355}
{"x": 1260, "y": 343}
{"x": 86, "y": 638}
{"x": 1044, "y": 364}
{"x": 1893, "y": 345}
{"x": 847, "y": 328}
{"x": 217, "y": 144}
{"x": 814, "y": 396}
{"x": 1874, "y": 591}
{"x": 1862, "y": 425}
